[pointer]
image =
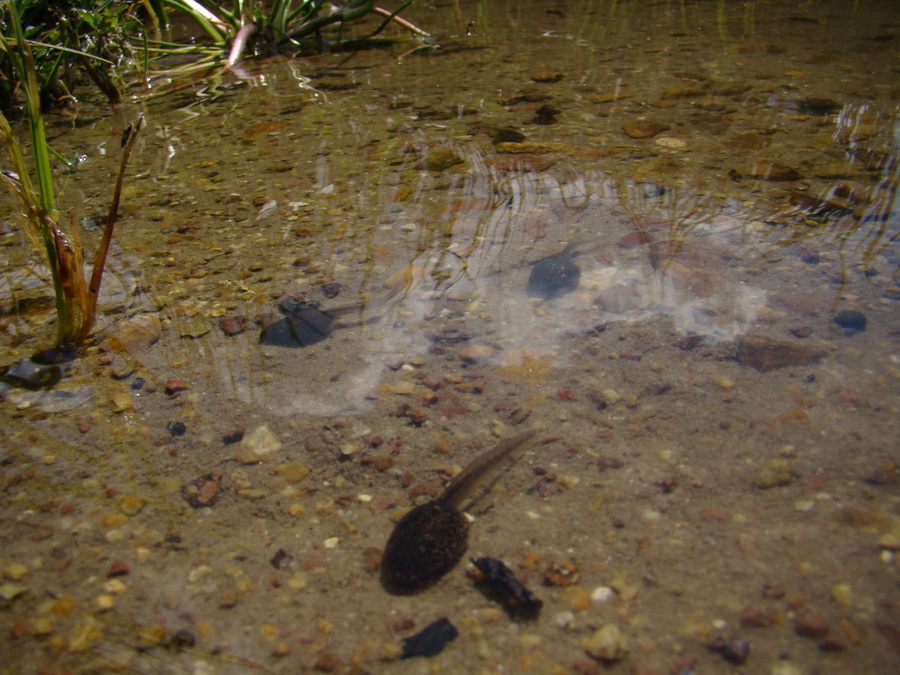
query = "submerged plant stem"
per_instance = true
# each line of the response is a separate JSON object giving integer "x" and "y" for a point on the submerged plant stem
{"x": 93, "y": 289}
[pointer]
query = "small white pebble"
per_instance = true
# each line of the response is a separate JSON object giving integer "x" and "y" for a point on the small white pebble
{"x": 669, "y": 142}
{"x": 651, "y": 514}
{"x": 602, "y": 594}
{"x": 298, "y": 581}
{"x": 565, "y": 620}
{"x": 114, "y": 587}
{"x": 365, "y": 499}
{"x": 199, "y": 572}
{"x": 533, "y": 515}
{"x": 114, "y": 536}
{"x": 331, "y": 542}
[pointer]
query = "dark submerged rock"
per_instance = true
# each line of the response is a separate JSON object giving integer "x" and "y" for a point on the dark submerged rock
{"x": 545, "y": 115}
{"x": 303, "y": 324}
{"x": 819, "y": 107}
{"x": 500, "y": 584}
{"x": 851, "y": 320}
{"x": 507, "y": 136}
{"x": 431, "y": 640}
{"x": 42, "y": 371}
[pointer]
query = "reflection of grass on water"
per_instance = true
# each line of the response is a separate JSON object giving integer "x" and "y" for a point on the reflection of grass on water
{"x": 856, "y": 219}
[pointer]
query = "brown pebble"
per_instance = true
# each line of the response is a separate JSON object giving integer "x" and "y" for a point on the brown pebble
{"x": 117, "y": 569}
{"x": 327, "y": 662}
{"x": 634, "y": 239}
{"x": 771, "y": 592}
{"x": 403, "y": 624}
{"x": 754, "y": 617}
{"x": 766, "y": 354}
{"x": 394, "y": 363}
{"x": 475, "y": 353}
{"x": 811, "y": 626}
{"x": 380, "y": 462}
{"x": 831, "y": 644}
{"x": 232, "y": 325}
{"x": 802, "y": 331}
{"x": 174, "y": 385}
{"x": 433, "y": 382}
{"x": 203, "y": 491}
{"x": 228, "y": 600}
{"x": 561, "y": 573}
{"x": 851, "y": 631}
{"x": 547, "y": 76}
{"x": 520, "y": 163}
{"x": 771, "y": 171}
{"x": 644, "y": 128}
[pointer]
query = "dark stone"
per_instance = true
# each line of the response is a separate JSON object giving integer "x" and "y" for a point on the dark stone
{"x": 176, "y": 428}
{"x": 41, "y": 371}
{"x": 545, "y": 115}
{"x": 501, "y": 585}
{"x": 810, "y": 257}
{"x": 507, "y": 136}
{"x": 733, "y": 651}
{"x": 431, "y": 640}
{"x": 819, "y": 107}
{"x": 182, "y": 639}
{"x": 281, "y": 560}
{"x": 331, "y": 289}
{"x": 851, "y": 321}
{"x": 304, "y": 324}
{"x": 233, "y": 437}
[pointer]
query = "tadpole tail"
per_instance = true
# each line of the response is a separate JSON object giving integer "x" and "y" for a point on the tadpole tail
{"x": 483, "y": 469}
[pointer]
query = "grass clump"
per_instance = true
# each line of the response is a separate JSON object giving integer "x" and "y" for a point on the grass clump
{"x": 75, "y": 296}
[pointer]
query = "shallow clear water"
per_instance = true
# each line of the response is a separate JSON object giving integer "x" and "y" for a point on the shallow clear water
{"x": 717, "y": 390}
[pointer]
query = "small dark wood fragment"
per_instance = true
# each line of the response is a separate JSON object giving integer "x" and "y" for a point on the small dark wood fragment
{"x": 500, "y": 584}
{"x": 733, "y": 651}
{"x": 281, "y": 560}
{"x": 431, "y": 640}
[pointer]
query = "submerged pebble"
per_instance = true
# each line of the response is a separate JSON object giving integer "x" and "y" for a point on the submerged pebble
{"x": 431, "y": 640}
{"x": 303, "y": 324}
{"x": 851, "y": 320}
